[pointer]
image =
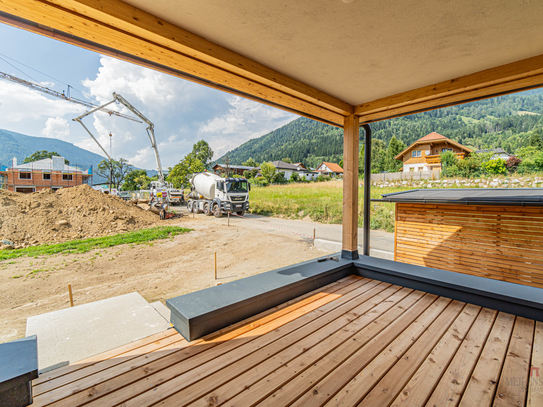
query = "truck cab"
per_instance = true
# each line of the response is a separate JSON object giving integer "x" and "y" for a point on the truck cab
{"x": 232, "y": 194}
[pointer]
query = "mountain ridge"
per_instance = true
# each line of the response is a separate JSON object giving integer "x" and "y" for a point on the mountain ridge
{"x": 503, "y": 122}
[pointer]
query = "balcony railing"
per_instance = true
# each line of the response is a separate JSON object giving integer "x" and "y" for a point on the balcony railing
{"x": 436, "y": 158}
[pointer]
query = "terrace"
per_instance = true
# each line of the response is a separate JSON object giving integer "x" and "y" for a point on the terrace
{"x": 362, "y": 331}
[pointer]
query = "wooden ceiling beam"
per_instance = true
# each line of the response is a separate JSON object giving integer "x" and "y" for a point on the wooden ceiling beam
{"x": 510, "y": 78}
{"x": 109, "y": 30}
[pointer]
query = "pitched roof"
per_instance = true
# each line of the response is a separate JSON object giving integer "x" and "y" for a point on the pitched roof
{"x": 333, "y": 167}
{"x": 284, "y": 166}
{"x": 428, "y": 138}
{"x": 432, "y": 136}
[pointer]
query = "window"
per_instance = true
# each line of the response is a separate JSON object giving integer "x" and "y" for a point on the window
{"x": 67, "y": 177}
{"x": 417, "y": 153}
{"x": 25, "y": 175}
{"x": 446, "y": 149}
{"x": 24, "y": 190}
{"x": 46, "y": 176}
{"x": 412, "y": 169}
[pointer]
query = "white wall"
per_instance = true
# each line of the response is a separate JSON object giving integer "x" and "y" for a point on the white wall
{"x": 407, "y": 167}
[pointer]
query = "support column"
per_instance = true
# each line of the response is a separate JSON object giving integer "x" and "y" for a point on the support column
{"x": 367, "y": 188}
{"x": 350, "y": 187}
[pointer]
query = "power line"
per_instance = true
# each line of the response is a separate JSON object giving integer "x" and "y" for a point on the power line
{"x": 29, "y": 67}
{"x": 24, "y": 73}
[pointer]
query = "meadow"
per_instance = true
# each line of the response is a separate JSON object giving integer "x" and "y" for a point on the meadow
{"x": 321, "y": 201}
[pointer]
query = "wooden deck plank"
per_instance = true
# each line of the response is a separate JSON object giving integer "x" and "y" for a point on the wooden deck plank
{"x": 512, "y": 387}
{"x": 454, "y": 381}
{"x": 137, "y": 381}
{"x": 354, "y": 342}
{"x": 296, "y": 386}
{"x": 535, "y": 384}
{"x": 483, "y": 381}
{"x": 145, "y": 357}
{"x": 422, "y": 383}
{"x": 422, "y": 334}
{"x": 400, "y": 330}
{"x": 211, "y": 375}
{"x": 121, "y": 375}
{"x": 65, "y": 370}
{"x": 263, "y": 378}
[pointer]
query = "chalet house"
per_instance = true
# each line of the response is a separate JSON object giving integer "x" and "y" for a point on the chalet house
{"x": 232, "y": 169}
{"x": 48, "y": 173}
{"x": 331, "y": 169}
{"x": 424, "y": 154}
{"x": 288, "y": 169}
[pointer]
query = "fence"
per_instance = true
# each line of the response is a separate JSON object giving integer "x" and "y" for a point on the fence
{"x": 408, "y": 176}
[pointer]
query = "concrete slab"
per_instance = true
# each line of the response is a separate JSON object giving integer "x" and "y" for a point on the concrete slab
{"x": 162, "y": 310}
{"x": 72, "y": 334}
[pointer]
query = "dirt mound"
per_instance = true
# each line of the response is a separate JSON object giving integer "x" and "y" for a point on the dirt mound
{"x": 70, "y": 213}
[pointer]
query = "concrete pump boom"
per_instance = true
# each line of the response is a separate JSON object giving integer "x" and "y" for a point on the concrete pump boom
{"x": 150, "y": 129}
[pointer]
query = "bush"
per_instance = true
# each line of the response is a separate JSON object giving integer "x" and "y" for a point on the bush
{"x": 279, "y": 178}
{"x": 495, "y": 166}
{"x": 294, "y": 177}
{"x": 512, "y": 163}
{"x": 449, "y": 164}
{"x": 320, "y": 178}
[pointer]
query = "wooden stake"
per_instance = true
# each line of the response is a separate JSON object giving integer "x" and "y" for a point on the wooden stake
{"x": 70, "y": 293}
{"x": 228, "y": 218}
{"x": 215, "y": 265}
{"x": 314, "y": 230}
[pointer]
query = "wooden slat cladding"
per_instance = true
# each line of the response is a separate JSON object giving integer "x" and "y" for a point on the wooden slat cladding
{"x": 499, "y": 242}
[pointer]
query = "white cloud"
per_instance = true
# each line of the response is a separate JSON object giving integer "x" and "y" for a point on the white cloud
{"x": 56, "y": 127}
{"x": 19, "y": 104}
{"x": 244, "y": 121}
{"x": 182, "y": 113}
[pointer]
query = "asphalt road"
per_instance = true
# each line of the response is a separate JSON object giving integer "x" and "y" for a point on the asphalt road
{"x": 379, "y": 240}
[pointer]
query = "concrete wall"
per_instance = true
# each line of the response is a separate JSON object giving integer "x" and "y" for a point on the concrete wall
{"x": 410, "y": 175}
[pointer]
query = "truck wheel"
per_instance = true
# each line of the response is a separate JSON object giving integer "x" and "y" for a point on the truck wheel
{"x": 207, "y": 209}
{"x": 217, "y": 210}
{"x": 241, "y": 213}
{"x": 189, "y": 206}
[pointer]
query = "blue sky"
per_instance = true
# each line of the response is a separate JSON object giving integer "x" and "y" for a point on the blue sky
{"x": 182, "y": 112}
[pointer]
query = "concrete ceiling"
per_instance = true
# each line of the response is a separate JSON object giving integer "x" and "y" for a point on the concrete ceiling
{"x": 360, "y": 51}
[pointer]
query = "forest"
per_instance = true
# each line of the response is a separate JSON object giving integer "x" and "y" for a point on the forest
{"x": 506, "y": 122}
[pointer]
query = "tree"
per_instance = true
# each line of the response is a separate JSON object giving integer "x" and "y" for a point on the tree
{"x": 279, "y": 178}
{"x": 395, "y": 147}
{"x": 43, "y": 154}
{"x": 287, "y": 160}
{"x": 268, "y": 171}
{"x": 181, "y": 173}
{"x": 536, "y": 140}
{"x": 250, "y": 163}
{"x": 115, "y": 172}
{"x": 449, "y": 163}
{"x": 203, "y": 152}
{"x": 197, "y": 160}
{"x": 136, "y": 180}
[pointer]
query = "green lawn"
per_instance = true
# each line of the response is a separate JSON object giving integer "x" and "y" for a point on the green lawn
{"x": 321, "y": 201}
{"x": 83, "y": 246}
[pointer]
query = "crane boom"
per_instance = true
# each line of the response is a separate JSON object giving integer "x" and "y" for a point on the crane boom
{"x": 150, "y": 128}
{"x": 51, "y": 92}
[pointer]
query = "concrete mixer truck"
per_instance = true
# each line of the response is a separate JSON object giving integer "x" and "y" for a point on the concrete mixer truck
{"x": 215, "y": 195}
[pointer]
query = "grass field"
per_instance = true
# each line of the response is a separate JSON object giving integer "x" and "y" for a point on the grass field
{"x": 83, "y": 246}
{"x": 321, "y": 201}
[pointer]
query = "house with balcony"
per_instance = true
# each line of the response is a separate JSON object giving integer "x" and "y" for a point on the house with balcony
{"x": 424, "y": 154}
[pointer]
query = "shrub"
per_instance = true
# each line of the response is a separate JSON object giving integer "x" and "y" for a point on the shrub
{"x": 512, "y": 163}
{"x": 320, "y": 178}
{"x": 495, "y": 166}
{"x": 294, "y": 177}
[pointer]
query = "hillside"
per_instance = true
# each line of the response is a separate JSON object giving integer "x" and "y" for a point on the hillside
{"x": 21, "y": 146}
{"x": 505, "y": 122}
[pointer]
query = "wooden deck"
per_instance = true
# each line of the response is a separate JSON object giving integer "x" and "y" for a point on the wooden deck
{"x": 353, "y": 342}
